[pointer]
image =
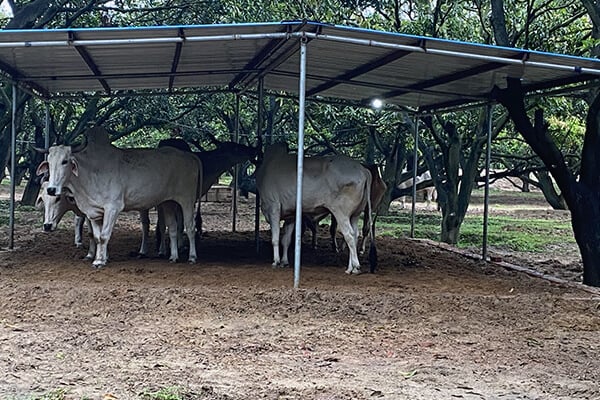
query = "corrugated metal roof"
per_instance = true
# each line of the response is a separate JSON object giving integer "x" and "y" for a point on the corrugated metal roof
{"x": 342, "y": 63}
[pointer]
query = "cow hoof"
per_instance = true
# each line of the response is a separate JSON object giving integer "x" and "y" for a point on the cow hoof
{"x": 98, "y": 264}
{"x": 354, "y": 271}
{"x": 172, "y": 260}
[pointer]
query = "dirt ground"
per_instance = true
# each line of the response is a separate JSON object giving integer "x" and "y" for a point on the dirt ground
{"x": 430, "y": 324}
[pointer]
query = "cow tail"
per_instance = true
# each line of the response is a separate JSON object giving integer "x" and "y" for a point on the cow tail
{"x": 371, "y": 225}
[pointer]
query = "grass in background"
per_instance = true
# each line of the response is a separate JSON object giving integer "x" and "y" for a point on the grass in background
{"x": 506, "y": 230}
{"x": 19, "y": 209}
{"x": 165, "y": 393}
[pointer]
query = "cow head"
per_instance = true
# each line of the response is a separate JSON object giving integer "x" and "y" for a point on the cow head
{"x": 54, "y": 207}
{"x": 61, "y": 165}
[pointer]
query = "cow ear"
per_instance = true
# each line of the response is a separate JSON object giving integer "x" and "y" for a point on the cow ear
{"x": 74, "y": 167}
{"x": 39, "y": 203}
{"x": 42, "y": 168}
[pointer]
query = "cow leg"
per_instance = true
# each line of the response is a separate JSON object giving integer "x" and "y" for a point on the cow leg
{"x": 78, "y": 223}
{"x": 161, "y": 232}
{"x": 96, "y": 231}
{"x": 365, "y": 231}
{"x": 367, "y": 223}
{"x": 333, "y": 233}
{"x": 190, "y": 229}
{"x": 145, "y": 220}
{"x": 108, "y": 224}
{"x": 169, "y": 213}
{"x": 349, "y": 232}
{"x": 286, "y": 240}
{"x": 275, "y": 232}
{"x": 179, "y": 221}
{"x": 91, "y": 254}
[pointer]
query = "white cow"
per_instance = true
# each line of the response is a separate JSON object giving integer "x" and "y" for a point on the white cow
{"x": 378, "y": 188}
{"x": 429, "y": 193}
{"x": 105, "y": 180}
{"x": 335, "y": 184}
{"x": 214, "y": 164}
{"x": 55, "y": 208}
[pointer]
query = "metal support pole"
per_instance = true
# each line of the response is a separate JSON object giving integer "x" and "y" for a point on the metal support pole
{"x": 13, "y": 170}
{"x": 236, "y": 168}
{"x": 300, "y": 165}
{"x": 259, "y": 142}
{"x": 486, "y": 203}
{"x": 414, "y": 178}
{"x": 47, "y": 130}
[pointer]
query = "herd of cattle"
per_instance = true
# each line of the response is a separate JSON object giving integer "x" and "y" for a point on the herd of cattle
{"x": 97, "y": 180}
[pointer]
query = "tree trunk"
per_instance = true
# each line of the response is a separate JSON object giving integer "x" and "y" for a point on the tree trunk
{"x": 451, "y": 223}
{"x": 393, "y": 162}
{"x": 582, "y": 195}
{"x": 585, "y": 220}
{"x": 546, "y": 185}
{"x": 525, "y": 188}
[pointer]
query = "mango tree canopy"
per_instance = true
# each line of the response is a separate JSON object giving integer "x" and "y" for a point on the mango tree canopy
{"x": 343, "y": 63}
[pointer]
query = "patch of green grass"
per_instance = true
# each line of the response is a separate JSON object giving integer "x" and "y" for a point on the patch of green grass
{"x": 167, "y": 393}
{"x": 19, "y": 209}
{"x": 58, "y": 394}
{"x": 517, "y": 234}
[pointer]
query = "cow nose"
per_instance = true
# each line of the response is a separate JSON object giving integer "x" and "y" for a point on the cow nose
{"x": 51, "y": 191}
{"x": 47, "y": 227}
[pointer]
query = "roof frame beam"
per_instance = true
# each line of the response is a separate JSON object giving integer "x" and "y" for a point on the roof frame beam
{"x": 373, "y": 85}
{"x": 19, "y": 77}
{"x": 455, "y": 76}
{"x": 268, "y": 52}
{"x": 526, "y": 87}
{"x": 87, "y": 58}
{"x": 271, "y": 47}
{"x": 363, "y": 69}
{"x": 176, "y": 58}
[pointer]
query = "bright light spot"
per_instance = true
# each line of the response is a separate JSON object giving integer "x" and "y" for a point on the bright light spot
{"x": 377, "y": 104}
{"x": 367, "y": 12}
{"x": 5, "y": 9}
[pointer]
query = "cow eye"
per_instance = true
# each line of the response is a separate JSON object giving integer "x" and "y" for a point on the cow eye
{"x": 64, "y": 162}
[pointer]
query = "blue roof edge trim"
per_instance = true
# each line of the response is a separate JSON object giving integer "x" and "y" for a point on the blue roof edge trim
{"x": 307, "y": 23}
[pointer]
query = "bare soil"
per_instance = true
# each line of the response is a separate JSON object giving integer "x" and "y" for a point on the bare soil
{"x": 430, "y": 324}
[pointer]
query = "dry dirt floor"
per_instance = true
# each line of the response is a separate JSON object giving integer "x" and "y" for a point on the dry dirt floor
{"x": 430, "y": 324}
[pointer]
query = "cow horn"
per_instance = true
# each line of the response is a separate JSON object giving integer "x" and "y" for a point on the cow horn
{"x": 79, "y": 147}
{"x": 40, "y": 150}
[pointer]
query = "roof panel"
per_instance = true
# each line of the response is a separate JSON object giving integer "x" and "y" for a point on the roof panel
{"x": 342, "y": 62}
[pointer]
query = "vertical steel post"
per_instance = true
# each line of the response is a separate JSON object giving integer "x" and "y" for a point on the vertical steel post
{"x": 236, "y": 168}
{"x": 486, "y": 203}
{"x": 259, "y": 142}
{"x": 13, "y": 170}
{"x": 414, "y": 178}
{"x": 47, "y": 129}
{"x": 300, "y": 162}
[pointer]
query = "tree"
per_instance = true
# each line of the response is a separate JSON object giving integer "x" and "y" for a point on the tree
{"x": 581, "y": 192}
{"x": 581, "y": 189}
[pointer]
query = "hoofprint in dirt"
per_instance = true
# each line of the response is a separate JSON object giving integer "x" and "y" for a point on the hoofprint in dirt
{"x": 429, "y": 324}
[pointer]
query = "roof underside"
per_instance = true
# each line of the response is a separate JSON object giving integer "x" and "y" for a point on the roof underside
{"x": 342, "y": 63}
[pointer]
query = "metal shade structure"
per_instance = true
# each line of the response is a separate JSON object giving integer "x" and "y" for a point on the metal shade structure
{"x": 343, "y": 63}
{"x": 310, "y": 60}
